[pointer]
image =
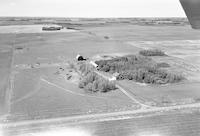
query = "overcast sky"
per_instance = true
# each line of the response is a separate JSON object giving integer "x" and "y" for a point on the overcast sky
{"x": 92, "y": 8}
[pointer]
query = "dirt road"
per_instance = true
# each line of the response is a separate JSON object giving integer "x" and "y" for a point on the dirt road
{"x": 101, "y": 117}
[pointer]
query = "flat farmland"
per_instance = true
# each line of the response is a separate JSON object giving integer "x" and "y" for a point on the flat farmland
{"x": 6, "y": 42}
{"x": 39, "y": 90}
{"x": 177, "y": 123}
{"x": 126, "y": 33}
{"x": 39, "y": 94}
{"x": 27, "y": 29}
{"x": 5, "y": 60}
{"x": 50, "y": 47}
{"x": 172, "y": 94}
{"x": 187, "y": 50}
{"x": 171, "y": 124}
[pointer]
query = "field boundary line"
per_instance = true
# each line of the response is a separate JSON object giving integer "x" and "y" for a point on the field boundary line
{"x": 99, "y": 117}
{"x": 28, "y": 95}
{"x": 131, "y": 97}
{"x": 69, "y": 91}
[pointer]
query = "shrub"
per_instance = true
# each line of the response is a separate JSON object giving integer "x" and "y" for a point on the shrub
{"x": 81, "y": 84}
{"x": 85, "y": 68}
{"x": 93, "y": 83}
{"x": 145, "y": 76}
{"x": 152, "y": 52}
{"x": 162, "y": 65}
{"x": 89, "y": 87}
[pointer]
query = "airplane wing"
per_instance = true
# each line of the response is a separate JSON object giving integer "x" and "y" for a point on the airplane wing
{"x": 192, "y": 10}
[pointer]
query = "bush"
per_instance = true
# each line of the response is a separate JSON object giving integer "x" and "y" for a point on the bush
{"x": 93, "y": 83}
{"x": 162, "y": 65}
{"x": 152, "y": 52}
{"x": 122, "y": 63}
{"x": 145, "y": 76}
{"x": 85, "y": 68}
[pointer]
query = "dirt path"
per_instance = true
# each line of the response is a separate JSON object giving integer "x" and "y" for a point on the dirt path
{"x": 10, "y": 84}
{"x": 69, "y": 91}
{"x": 100, "y": 117}
{"x": 130, "y": 96}
{"x": 42, "y": 65}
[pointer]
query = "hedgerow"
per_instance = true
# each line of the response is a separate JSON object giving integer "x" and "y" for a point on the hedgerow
{"x": 152, "y": 52}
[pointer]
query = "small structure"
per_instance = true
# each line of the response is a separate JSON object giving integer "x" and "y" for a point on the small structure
{"x": 80, "y": 58}
{"x": 52, "y": 28}
{"x": 112, "y": 79}
{"x": 93, "y": 64}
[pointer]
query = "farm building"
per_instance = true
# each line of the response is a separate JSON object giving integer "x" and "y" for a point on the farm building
{"x": 52, "y": 28}
{"x": 80, "y": 58}
{"x": 93, "y": 64}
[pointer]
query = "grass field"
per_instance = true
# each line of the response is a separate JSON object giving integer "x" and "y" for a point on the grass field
{"x": 40, "y": 94}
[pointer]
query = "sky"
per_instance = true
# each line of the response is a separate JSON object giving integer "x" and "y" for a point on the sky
{"x": 91, "y": 8}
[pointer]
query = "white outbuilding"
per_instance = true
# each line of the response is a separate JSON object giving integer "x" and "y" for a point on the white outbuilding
{"x": 94, "y": 64}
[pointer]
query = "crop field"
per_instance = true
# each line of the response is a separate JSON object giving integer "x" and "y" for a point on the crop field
{"x": 51, "y": 47}
{"x": 186, "y": 50}
{"x": 40, "y": 94}
{"x": 171, "y": 124}
{"x": 4, "y": 72}
{"x": 178, "y": 123}
{"x": 180, "y": 93}
{"x": 5, "y": 62}
{"x": 129, "y": 32}
{"x": 27, "y": 29}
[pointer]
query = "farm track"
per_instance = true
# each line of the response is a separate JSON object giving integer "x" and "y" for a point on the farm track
{"x": 101, "y": 117}
{"x": 10, "y": 84}
{"x": 44, "y": 65}
{"x": 69, "y": 91}
{"x": 130, "y": 96}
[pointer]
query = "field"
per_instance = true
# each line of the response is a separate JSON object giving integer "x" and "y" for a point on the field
{"x": 5, "y": 63}
{"x": 179, "y": 93}
{"x": 182, "y": 54}
{"x": 179, "y": 123}
{"x": 38, "y": 84}
{"x": 40, "y": 94}
{"x": 27, "y": 29}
